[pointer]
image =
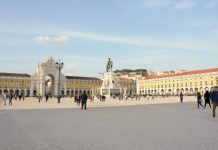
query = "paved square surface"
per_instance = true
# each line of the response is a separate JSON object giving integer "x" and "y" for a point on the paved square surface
{"x": 160, "y": 126}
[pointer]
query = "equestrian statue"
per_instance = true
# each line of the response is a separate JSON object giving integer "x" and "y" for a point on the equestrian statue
{"x": 109, "y": 65}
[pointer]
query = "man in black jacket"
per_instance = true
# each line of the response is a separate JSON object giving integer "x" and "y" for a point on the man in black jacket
{"x": 84, "y": 98}
{"x": 207, "y": 99}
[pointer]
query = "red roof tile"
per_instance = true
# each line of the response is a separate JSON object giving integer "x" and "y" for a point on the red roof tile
{"x": 184, "y": 73}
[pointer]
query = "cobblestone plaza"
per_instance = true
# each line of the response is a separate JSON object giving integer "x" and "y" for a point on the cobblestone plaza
{"x": 154, "y": 126}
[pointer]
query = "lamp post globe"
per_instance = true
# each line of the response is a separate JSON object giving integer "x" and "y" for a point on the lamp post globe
{"x": 59, "y": 66}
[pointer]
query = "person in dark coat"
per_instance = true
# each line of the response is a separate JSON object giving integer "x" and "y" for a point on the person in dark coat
{"x": 46, "y": 98}
{"x": 199, "y": 99}
{"x": 84, "y": 98}
{"x": 207, "y": 99}
{"x": 181, "y": 97}
{"x": 214, "y": 99}
{"x": 10, "y": 99}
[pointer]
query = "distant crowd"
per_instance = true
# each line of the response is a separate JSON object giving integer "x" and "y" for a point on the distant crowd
{"x": 10, "y": 96}
{"x": 81, "y": 98}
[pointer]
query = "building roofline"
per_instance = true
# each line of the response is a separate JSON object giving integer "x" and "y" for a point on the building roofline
{"x": 184, "y": 73}
{"x": 82, "y": 78}
{"x": 14, "y": 74}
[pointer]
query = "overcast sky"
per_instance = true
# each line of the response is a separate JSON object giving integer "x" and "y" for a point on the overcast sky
{"x": 149, "y": 34}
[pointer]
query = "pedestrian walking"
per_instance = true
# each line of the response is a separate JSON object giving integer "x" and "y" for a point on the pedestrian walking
{"x": 199, "y": 99}
{"x": 100, "y": 97}
{"x": 84, "y": 98}
{"x": 46, "y": 98}
{"x": 10, "y": 99}
{"x": 136, "y": 97}
{"x": 23, "y": 96}
{"x": 207, "y": 99}
{"x": 78, "y": 99}
{"x": 19, "y": 97}
{"x": 181, "y": 97}
{"x": 4, "y": 97}
{"x": 39, "y": 97}
{"x": 214, "y": 99}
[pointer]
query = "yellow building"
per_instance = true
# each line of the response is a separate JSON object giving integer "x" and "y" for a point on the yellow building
{"x": 48, "y": 79}
{"x": 188, "y": 82}
{"x": 76, "y": 85}
{"x": 21, "y": 83}
{"x": 15, "y": 83}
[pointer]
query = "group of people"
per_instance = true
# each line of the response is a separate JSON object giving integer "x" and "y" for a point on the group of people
{"x": 10, "y": 97}
{"x": 40, "y": 97}
{"x": 82, "y": 98}
{"x": 209, "y": 97}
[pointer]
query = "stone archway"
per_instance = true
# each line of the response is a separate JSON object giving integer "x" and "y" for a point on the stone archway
{"x": 62, "y": 93}
{"x": 186, "y": 91}
{"x": 34, "y": 93}
{"x": 76, "y": 92}
{"x": 28, "y": 93}
{"x": 88, "y": 92}
{"x": 49, "y": 84}
{"x": 72, "y": 93}
{"x": 196, "y": 90}
{"x": 80, "y": 92}
{"x": 68, "y": 93}
{"x": 16, "y": 92}
{"x": 42, "y": 85}
{"x": 23, "y": 92}
{"x": 162, "y": 91}
{"x": 191, "y": 90}
{"x": 11, "y": 91}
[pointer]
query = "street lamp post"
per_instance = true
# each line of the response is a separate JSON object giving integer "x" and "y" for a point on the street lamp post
{"x": 59, "y": 66}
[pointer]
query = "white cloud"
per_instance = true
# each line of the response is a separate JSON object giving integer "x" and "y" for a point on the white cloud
{"x": 145, "y": 42}
{"x": 42, "y": 39}
{"x": 199, "y": 44}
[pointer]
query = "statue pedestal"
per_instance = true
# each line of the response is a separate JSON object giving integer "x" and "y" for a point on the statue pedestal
{"x": 111, "y": 85}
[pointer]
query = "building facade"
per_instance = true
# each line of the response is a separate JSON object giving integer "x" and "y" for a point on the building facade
{"x": 77, "y": 85}
{"x": 38, "y": 84}
{"x": 15, "y": 83}
{"x": 188, "y": 82}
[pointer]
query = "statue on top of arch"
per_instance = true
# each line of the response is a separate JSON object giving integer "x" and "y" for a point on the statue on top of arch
{"x": 50, "y": 60}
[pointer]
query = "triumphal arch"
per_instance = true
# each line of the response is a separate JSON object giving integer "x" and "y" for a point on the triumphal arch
{"x": 41, "y": 84}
